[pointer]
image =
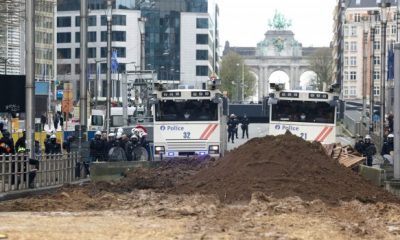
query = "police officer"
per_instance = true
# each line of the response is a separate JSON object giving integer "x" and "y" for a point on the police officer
{"x": 359, "y": 146}
{"x": 369, "y": 149}
{"x": 7, "y": 144}
{"x": 53, "y": 147}
{"x": 231, "y": 127}
{"x": 236, "y": 127}
{"x": 97, "y": 147}
{"x": 20, "y": 145}
{"x": 388, "y": 145}
{"x": 245, "y": 126}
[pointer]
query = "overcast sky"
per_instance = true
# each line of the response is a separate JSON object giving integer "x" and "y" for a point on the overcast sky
{"x": 244, "y": 22}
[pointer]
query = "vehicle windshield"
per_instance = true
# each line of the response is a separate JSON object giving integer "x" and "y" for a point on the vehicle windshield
{"x": 303, "y": 111}
{"x": 189, "y": 110}
{"x": 97, "y": 120}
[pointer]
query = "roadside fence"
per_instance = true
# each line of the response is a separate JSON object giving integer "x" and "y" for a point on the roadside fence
{"x": 19, "y": 172}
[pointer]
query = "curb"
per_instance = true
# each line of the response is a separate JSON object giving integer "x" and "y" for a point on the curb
{"x": 34, "y": 192}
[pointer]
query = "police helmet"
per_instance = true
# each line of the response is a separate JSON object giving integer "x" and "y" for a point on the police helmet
{"x": 232, "y": 115}
{"x": 119, "y": 135}
{"x": 390, "y": 135}
{"x": 111, "y": 134}
{"x": 53, "y": 136}
{"x": 98, "y": 133}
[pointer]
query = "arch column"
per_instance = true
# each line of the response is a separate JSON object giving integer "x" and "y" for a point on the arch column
{"x": 261, "y": 82}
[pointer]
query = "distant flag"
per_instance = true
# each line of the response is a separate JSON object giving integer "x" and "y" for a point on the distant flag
{"x": 390, "y": 64}
{"x": 114, "y": 61}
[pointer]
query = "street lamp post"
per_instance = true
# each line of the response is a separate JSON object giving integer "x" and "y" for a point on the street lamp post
{"x": 385, "y": 7}
{"x": 372, "y": 14}
{"x": 242, "y": 84}
{"x": 109, "y": 18}
{"x": 142, "y": 21}
{"x": 98, "y": 81}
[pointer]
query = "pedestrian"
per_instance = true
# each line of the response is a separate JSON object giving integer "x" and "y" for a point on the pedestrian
{"x": 56, "y": 120}
{"x": 236, "y": 127}
{"x": 359, "y": 146}
{"x": 6, "y": 144}
{"x": 53, "y": 146}
{"x": 97, "y": 148}
{"x": 369, "y": 150}
{"x": 231, "y": 128}
{"x": 20, "y": 145}
{"x": 387, "y": 146}
{"x": 43, "y": 120}
{"x": 245, "y": 126}
{"x": 61, "y": 121}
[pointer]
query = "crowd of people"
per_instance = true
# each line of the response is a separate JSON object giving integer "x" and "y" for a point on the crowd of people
{"x": 233, "y": 126}
{"x": 119, "y": 145}
{"x": 367, "y": 148}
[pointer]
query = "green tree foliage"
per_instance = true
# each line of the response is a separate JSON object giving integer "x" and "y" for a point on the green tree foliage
{"x": 231, "y": 77}
{"x": 321, "y": 64}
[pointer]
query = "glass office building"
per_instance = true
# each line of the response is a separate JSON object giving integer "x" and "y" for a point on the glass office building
{"x": 167, "y": 35}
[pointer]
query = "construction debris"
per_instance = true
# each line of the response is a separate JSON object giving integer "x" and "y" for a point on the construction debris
{"x": 345, "y": 155}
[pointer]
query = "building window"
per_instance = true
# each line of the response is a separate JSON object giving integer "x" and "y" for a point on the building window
{"x": 116, "y": 36}
{"x": 77, "y": 52}
{"x": 353, "y": 31}
{"x": 202, "y": 23}
{"x": 116, "y": 20}
{"x": 353, "y": 61}
{"x": 91, "y": 53}
{"x": 346, "y": 91}
{"x": 201, "y": 70}
{"x": 377, "y": 75}
{"x": 121, "y": 52}
{"x": 353, "y": 46}
{"x": 357, "y": 17}
{"x": 103, "y": 68}
{"x": 376, "y": 91}
{"x": 63, "y": 53}
{"x": 91, "y": 37}
{"x": 377, "y": 60}
{"x": 201, "y": 55}
{"x": 202, "y": 39}
{"x": 394, "y": 29}
{"x": 64, "y": 37}
{"x": 377, "y": 30}
{"x": 353, "y": 91}
{"x": 346, "y": 46}
{"x": 346, "y": 61}
{"x": 346, "y": 75}
{"x": 77, "y": 69}
{"x": 92, "y": 21}
{"x": 63, "y": 21}
{"x": 64, "y": 69}
{"x": 377, "y": 45}
{"x": 346, "y": 31}
{"x": 353, "y": 75}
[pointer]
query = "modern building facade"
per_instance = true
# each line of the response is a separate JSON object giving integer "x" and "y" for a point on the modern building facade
{"x": 362, "y": 56}
{"x": 11, "y": 37}
{"x": 180, "y": 40}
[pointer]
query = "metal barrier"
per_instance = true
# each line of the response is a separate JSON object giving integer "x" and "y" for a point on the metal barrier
{"x": 17, "y": 172}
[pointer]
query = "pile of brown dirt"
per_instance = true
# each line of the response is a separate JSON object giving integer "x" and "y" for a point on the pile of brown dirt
{"x": 281, "y": 166}
{"x": 168, "y": 174}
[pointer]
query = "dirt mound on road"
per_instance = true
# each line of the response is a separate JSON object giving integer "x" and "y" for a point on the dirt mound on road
{"x": 282, "y": 166}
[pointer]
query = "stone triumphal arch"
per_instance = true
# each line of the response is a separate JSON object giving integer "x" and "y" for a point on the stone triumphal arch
{"x": 279, "y": 51}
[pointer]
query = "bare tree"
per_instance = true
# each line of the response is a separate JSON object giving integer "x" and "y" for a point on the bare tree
{"x": 231, "y": 75}
{"x": 321, "y": 64}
